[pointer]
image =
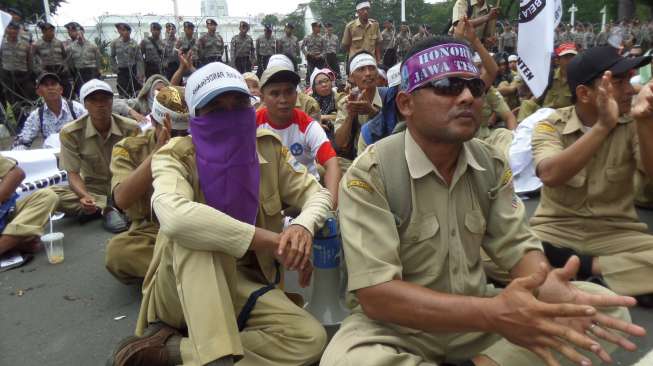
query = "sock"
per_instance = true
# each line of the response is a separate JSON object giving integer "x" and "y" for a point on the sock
{"x": 173, "y": 347}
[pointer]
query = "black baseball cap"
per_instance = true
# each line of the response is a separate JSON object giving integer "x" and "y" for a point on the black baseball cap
{"x": 592, "y": 63}
{"x": 316, "y": 24}
{"x": 155, "y": 25}
{"x": 15, "y": 12}
{"x": 189, "y": 25}
{"x": 124, "y": 25}
{"x": 45, "y": 25}
{"x": 13, "y": 25}
{"x": 45, "y": 76}
{"x": 211, "y": 21}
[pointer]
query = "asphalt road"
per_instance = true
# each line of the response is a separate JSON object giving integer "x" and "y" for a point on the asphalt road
{"x": 73, "y": 313}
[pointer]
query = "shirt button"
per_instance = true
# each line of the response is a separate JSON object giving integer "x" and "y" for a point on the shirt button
{"x": 453, "y": 232}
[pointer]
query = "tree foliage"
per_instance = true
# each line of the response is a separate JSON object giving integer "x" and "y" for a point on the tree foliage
{"x": 32, "y": 9}
{"x": 271, "y": 19}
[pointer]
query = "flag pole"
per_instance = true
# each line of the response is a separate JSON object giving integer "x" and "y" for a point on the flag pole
{"x": 46, "y": 6}
{"x": 403, "y": 10}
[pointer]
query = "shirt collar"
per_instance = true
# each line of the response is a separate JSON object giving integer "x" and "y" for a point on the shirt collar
{"x": 377, "y": 101}
{"x": 574, "y": 123}
{"x": 64, "y": 107}
{"x": 419, "y": 164}
{"x": 91, "y": 131}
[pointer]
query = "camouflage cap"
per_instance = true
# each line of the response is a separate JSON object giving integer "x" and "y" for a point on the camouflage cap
{"x": 170, "y": 100}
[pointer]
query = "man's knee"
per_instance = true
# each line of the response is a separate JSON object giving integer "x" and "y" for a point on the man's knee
{"x": 47, "y": 197}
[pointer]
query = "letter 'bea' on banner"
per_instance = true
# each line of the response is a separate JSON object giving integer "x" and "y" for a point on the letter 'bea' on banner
{"x": 537, "y": 22}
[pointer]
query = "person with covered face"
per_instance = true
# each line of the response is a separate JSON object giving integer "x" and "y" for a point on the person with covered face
{"x": 221, "y": 249}
{"x": 437, "y": 196}
{"x": 128, "y": 254}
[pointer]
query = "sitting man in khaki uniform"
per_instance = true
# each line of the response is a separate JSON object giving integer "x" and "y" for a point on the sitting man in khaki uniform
{"x": 129, "y": 254}
{"x": 21, "y": 227}
{"x": 435, "y": 197}
{"x": 86, "y": 145}
{"x": 362, "y": 103}
{"x": 587, "y": 156}
{"x": 558, "y": 94}
{"x": 218, "y": 250}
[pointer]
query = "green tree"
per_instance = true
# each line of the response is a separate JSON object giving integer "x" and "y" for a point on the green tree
{"x": 32, "y": 9}
{"x": 271, "y": 19}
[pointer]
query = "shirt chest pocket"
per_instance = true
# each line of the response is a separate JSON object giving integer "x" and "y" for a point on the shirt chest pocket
{"x": 420, "y": 251}
{"x": 475, "y": 228}
{"x": 357, "y": 40}
{"x": 271, "y": 204}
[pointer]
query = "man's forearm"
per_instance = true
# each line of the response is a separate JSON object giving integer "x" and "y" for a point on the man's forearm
{"x": 417, "y": 307}
{"x": 77, "y": 184}
{"x": 135, "y": 186}
{"x": 558, "y": 169}
{"x": 332, "y": 177}
{"x": 528, "y": 264}
{"x": 343, "y": 133}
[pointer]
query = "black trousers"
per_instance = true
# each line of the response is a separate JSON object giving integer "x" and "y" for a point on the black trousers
{"x": 262, "y": 64}
{"x": 64, "y": 76}
{"x": 128, "y": 85}
{"x": 18, "y": 90}
{"x": 83, "y": 75}
{"x": 243, "y": 64}
{"x": 152, "y": 68}
{"x": 170, "y": 69}
{"x": 332, "y": 61}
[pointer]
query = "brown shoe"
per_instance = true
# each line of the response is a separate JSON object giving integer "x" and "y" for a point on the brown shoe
{"x": 150, "y": 349}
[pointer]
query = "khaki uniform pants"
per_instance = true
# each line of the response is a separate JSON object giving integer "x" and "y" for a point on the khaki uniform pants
{"x": 31, "y": 214}
{"x": 69, "y": 201}
{"x": 362, "y": 342}
{"x": 129, "y": 253}
{"x": 198, "y": 292}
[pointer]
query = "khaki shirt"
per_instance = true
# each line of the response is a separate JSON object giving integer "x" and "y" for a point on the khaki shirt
{"x": 440, "y": 246}
{"x": 460, "y": 11}
{"x": 84, "y": 151}
{"x": 358, "y": 38}
{"x": 600, "y": 195}
{"x": 6, "y": 165}
{"x": 177, "y": 189}
{"x": 362, "y": 119}
{"x": 558, "y": 95}
{"x": 493, "y": 103}
{"x": 128, "y": 154}
{"x": 307, "y": 104}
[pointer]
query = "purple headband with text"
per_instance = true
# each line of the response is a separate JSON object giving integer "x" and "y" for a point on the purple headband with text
{"x": 436, "y": 63}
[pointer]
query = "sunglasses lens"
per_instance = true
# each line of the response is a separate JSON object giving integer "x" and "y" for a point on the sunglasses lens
{"x": 455, "y": 86}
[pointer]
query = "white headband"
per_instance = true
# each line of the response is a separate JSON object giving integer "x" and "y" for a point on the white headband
{"x": 361, "y": 60}
{"x": 159, "y": 111}
{"x": 364, "y": 4}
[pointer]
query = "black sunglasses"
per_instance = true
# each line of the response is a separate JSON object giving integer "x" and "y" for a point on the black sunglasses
{"x": 453, "y": 86}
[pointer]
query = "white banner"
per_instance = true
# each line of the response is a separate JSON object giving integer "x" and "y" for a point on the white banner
{"x": 40, "y": 167}
{"x": 5, "y": 19}
{"x": 537, "y": 22}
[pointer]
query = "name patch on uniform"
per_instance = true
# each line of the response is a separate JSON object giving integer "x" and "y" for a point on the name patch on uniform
{"x": 360, "y": 184}
{"x": 506, "y": 177}
{"x": 544, "y": 127}
{"x": 119, "y": 151}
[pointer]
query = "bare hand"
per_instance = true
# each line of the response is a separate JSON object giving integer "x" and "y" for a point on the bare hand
{"x": 360, "y": 107}
{"x": 163, "y": 136}
{"x": 295, "y": 248}
{"x": 137, "y": 116}
{"x": 185, "y": 60}
{"x": 88, "y": 205}
{"x": 494, "y": 13}
{"x": 558, "y": 289}
{"x": 305, "y": 275}
{"x": 607, "y": 104}
{"x": 465, "y": 29}
{"x": 643, "y": 106}
{"x": 530, "y": 323}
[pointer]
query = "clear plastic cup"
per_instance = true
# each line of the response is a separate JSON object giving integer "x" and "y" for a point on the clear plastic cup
{"x": 53, "y": 243}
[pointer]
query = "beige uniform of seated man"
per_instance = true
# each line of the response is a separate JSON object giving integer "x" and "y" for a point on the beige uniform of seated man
{"x": 129, "y": 254}
{"x": 415, "y": 210}
{"x": 86, "y": 145}
{"x": 587, "y": 156}
{"x": 24, "y": 225}
{"x": 219, "y": 241}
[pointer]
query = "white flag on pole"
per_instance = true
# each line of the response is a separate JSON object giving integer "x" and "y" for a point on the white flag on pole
{"x": 538, "y": 20}
{"x": 5, "y": 19}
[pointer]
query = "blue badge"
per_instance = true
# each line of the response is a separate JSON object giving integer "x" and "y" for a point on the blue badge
{"x": 296, "y": 149}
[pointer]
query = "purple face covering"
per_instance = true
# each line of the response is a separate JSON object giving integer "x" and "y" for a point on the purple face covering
{"x": 436, "y": 63}
{"x": 227, "y": 162}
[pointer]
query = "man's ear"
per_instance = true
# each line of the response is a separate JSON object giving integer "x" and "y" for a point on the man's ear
{"x": 404, "y": 103}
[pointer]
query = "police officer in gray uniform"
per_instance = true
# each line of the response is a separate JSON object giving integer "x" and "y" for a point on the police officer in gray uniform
{"x": 16, "y": 73}
{"x": 188, "y": 42}
{"x": 126, "y": 59}
{"x": 85, "y": 60}
{"x": 242, "y": 49}
{"x": 289, "y": 44}
{"x": 49, "y": 55}
{"x": 170, "y": 56}
{"x": 152, "y": 50}
{"x": 508, "y": 40}
{"x": 266, "y": 46}
{"x": 23, "y": 33}
{"x": 332, "y": 43}
{"x": 314, "y": 48}
{"x": 210, "y": 46}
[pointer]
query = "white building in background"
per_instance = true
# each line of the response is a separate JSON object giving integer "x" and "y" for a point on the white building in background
{"x": 214, "y": 8}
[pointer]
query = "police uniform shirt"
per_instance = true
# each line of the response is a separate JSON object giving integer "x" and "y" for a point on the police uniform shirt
{"x": 314, "y": 44}
{"x": 85, "y": 55}
{"x": 600, "y": 195}
{"x": 332, "y": 43}
{"x": 266, "y": 46}
{"x": 15, "y": 55}
{"x": 361, "y": 38}
{"x": 49, "y": 53}
{"x": 124, "y": 54}
{"x": 289, "y": 45}
{"x": 210, "y": 45}
{"x": 84, "y": 151}
{"x": 187, "y": 44}
{"x": 492, "y": 103}
{"x": 388, "y": 39}
{"x": 169, "y": 52}
{"x": 152, "y": 54}
{"x": 242, "y": 46}
{"x": 404, "y": 43}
